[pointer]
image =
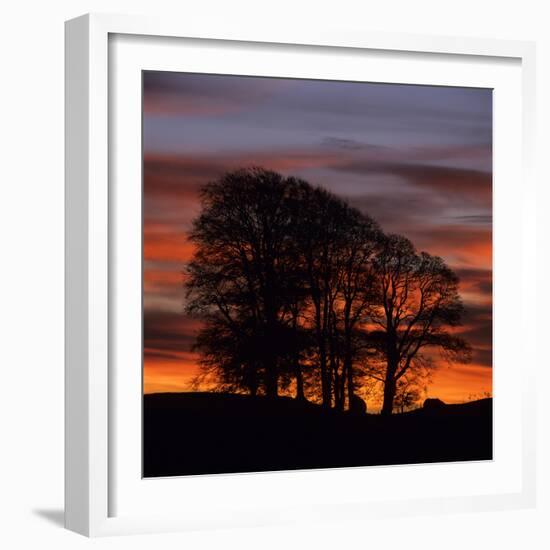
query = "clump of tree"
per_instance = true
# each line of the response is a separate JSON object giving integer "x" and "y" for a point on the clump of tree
{"x": 298, "y": 289}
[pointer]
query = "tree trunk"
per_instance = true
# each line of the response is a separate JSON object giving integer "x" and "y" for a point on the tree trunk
{"x": 253, "y": 382}
{"x": 342, "y": 388}
{"x": 271, "y": 375}
{"x": 271, "y": 383}
{"x": 338, "y": 382}
{"x": 298, "y": 368}
{"x": 321, "y": 345}
{"x": 348, "y": 369}
{"x": 270, "y": 350}
{"x": 351, "y": 392}
{"x": 325, "y": 379}
{"x": 325, "y": 375}
{"x": 299, "y": 383}
{"x": 391, "y": 369}
{"x": 389, "y": 393}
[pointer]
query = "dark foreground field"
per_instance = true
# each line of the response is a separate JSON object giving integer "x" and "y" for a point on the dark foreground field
{"x": 204, "y": 433}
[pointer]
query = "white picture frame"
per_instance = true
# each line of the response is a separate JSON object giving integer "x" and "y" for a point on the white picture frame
{"x": 93, "y": 399}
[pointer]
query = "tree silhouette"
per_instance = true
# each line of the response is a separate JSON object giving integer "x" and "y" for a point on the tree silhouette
{"x": 241, "y": 277}
{"x": 296, "y": 287}
{"x": 419, "y": 302}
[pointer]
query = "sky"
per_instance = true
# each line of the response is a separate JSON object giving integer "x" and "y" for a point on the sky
{"x": 418, "y": 159}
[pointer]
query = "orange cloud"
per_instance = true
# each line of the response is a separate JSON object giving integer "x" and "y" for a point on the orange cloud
{"x": 164, "y": 243}
{"x": 463, "y": 246}
{"x": 155, "y": 279}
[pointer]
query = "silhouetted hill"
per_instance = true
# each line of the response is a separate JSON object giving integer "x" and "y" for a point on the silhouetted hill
{"x": 197, "y": 433}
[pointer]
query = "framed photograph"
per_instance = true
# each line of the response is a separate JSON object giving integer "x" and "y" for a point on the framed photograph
{"x": 296, "y": 276}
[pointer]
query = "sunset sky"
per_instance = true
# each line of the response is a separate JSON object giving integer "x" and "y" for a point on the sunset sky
{"x": 416, "y": 158}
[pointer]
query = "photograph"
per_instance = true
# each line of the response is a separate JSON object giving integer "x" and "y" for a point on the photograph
{"x": 317, "y": 268}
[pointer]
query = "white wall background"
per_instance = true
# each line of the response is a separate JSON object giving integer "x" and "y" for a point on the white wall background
{"x": 31, "y": 269}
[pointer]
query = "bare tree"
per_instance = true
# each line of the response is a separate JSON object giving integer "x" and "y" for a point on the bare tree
{"x": 419, "y": 304}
